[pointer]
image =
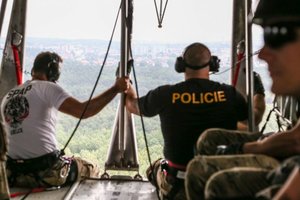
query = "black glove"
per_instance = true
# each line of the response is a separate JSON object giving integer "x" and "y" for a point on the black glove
{"x": 236, "y": 148}
{"x": 258, "y": 84}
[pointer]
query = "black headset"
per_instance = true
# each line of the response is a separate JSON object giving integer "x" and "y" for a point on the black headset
{"x": 180, "y": 63}
{"x": 53, "y": 70}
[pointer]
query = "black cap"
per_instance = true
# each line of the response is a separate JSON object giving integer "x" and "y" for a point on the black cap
{"x": 270, "y": 12}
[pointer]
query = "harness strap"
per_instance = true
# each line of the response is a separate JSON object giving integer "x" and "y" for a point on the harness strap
{"x": 31, "y": 166}
{"x": 177, "y": 166}
{"x": 34, "y": 190}
{"x": 175, "y": 176}
{"x": 34, "y": 164}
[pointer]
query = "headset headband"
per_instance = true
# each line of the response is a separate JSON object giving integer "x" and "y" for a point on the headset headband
{"x": 195, "y": 67}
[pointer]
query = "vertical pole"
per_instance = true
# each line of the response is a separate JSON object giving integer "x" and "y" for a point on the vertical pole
{"x": 249, "y": 65}
{"x": 122, "y": 154}
{"x": 15, "y": 36}
{"x": 2, "y": 13}
{"x": 123, "y": 69}
{"x": 238, "y": 31}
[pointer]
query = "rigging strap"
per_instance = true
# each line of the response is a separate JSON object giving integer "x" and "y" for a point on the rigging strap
{"x": 161, "y": 14}
{"x": 240, "y": 56}
{"x": 17, "y": 64}
{"x": 16, "y": 40}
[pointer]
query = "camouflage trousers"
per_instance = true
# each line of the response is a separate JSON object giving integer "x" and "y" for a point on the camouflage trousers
{"x": 234, "y": 176}
{"x": 86, "y": 169}
{"x": 169, "y": 187}
{"x": 228, "y": 176}
{"x": 279, "y": 180}
{"x": 4, "y": 190}
{"x": 211, "y": 138}
{"x": 60, "y": 174}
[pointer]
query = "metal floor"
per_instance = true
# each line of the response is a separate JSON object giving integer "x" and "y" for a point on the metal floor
{"x": 96, "y": 190}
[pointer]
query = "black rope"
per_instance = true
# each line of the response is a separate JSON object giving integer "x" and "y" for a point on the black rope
{"x": 267, "y": 120}
{"x": 26, "y": 195}
{"x": 157, "y": 15}
{"x": 143, "y": 124}
{"x": 278, "y": 123}
{"x": 98, "y": 78}
{"x": 161, "y": 14}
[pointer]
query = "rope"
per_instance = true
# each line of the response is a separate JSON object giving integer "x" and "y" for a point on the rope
{"x": 143, "y": 125}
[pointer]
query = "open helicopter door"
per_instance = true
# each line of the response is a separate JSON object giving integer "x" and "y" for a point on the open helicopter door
{"x": 11, "y": 71}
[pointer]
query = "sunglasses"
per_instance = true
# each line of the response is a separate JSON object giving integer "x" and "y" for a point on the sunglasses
{"x": 276, "y": 36}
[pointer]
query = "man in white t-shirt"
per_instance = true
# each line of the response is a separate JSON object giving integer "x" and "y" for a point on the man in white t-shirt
{"x": 29, "y": 112}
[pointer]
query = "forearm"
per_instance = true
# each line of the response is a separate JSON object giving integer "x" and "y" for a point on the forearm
{"x": 278, "y": 145}
{"x": 99, "y": 102}
{"x": 132, "y": 101}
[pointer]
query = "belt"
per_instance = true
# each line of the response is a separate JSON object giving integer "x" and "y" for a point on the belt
{"x": 34, "y": 164}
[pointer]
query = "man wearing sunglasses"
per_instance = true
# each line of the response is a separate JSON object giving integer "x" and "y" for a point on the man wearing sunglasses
{"x": 214, "y": 177}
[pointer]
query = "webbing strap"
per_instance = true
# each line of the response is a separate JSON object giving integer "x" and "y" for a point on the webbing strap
{"x": 17, "y": 65}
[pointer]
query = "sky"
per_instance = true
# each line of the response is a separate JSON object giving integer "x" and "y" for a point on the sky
{"x": 184, "y": 21}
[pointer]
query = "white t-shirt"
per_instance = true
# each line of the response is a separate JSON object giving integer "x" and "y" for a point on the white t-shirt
{"x": 29, "y": 112}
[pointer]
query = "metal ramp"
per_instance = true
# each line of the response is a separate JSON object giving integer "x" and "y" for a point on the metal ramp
{"x": 114, "y": 190}
{"x": 96, "y": 189}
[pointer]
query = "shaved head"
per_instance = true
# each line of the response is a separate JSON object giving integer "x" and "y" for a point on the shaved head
{"x": 196, "y": 54}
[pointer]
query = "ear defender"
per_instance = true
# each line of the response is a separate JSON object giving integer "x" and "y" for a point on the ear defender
{"x": 53, "y": 72}
{"x": 214, "y": 64}
{"x": 179, "y": 65}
